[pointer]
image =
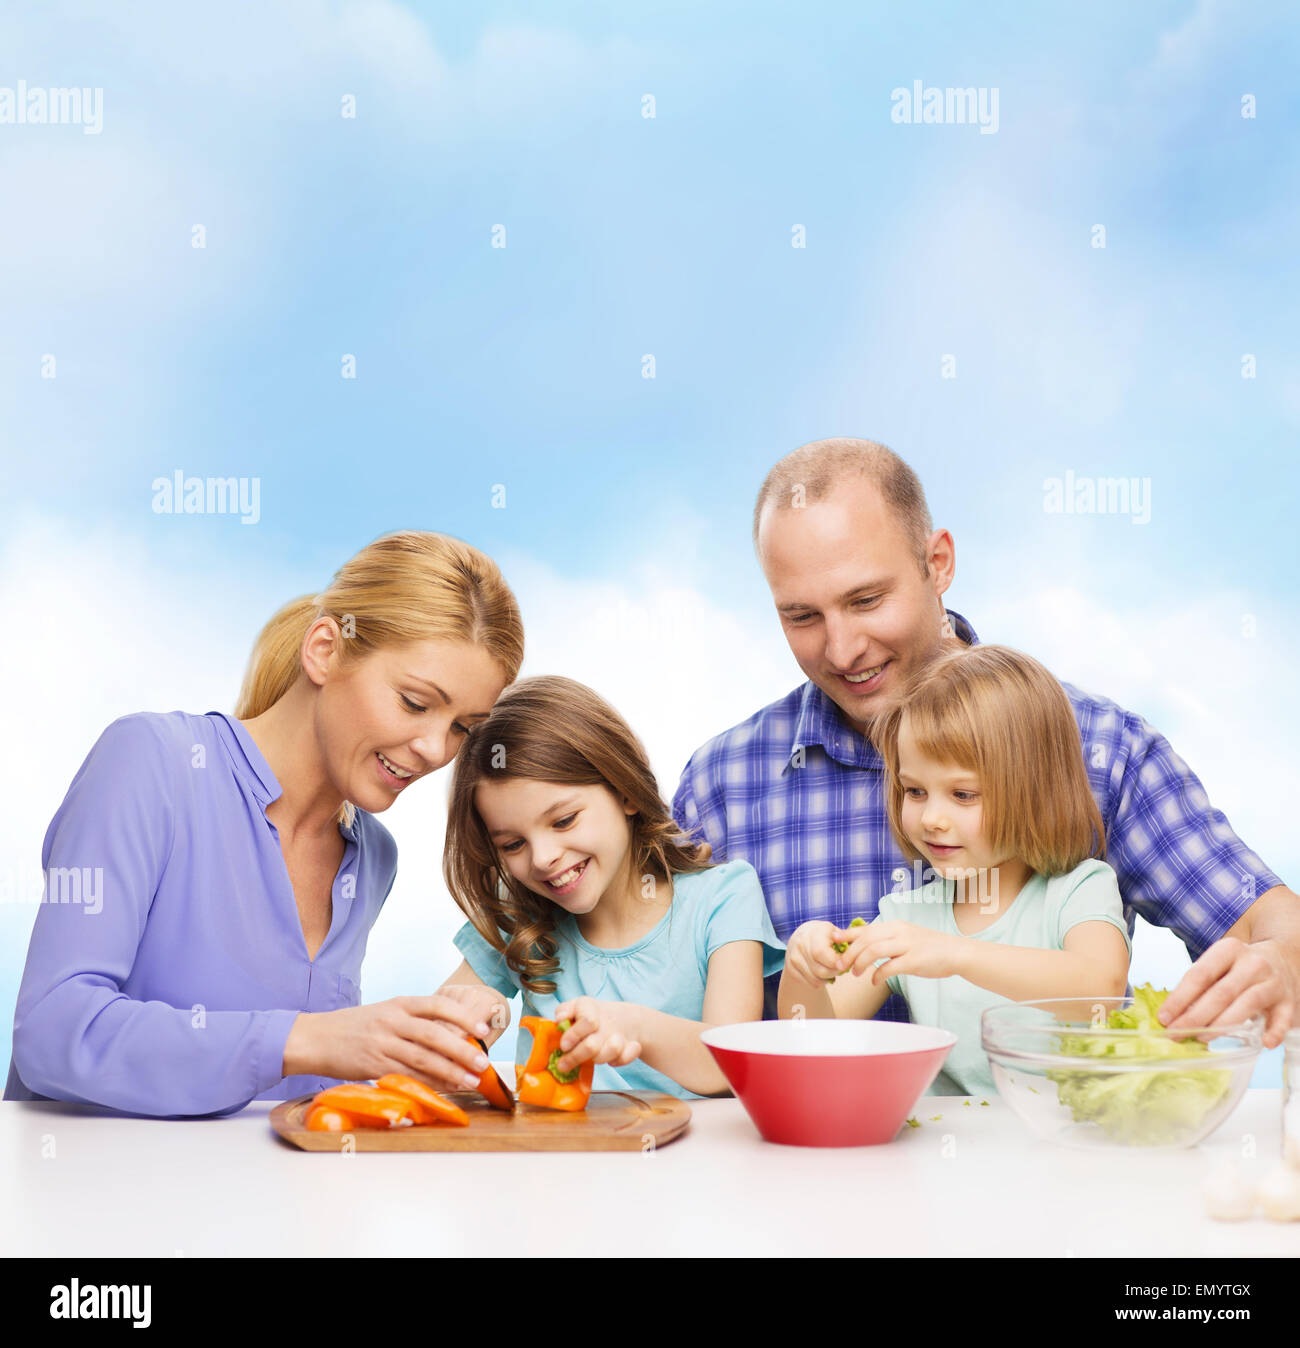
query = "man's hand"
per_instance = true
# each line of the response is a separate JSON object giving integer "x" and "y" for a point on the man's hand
{"x": 1233, "y": 981}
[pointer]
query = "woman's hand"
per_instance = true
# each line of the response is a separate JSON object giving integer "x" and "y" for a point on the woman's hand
{"x": 423, "y": 1037}
{"x": 906, "y": 949}
{"x": 602, "y": 1032}
{"x": 810, "y": 954}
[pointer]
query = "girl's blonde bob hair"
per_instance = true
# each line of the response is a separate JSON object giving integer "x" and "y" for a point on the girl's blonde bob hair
{"x": 550, "y": 729}
{"x": 404, "y": 587}
{"x": 1001, "y": 715}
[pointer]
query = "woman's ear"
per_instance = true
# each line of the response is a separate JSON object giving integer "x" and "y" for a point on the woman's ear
{"x": 320, "y": 649}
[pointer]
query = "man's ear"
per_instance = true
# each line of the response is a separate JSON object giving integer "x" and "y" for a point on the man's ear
{"x": 940, "y": 560}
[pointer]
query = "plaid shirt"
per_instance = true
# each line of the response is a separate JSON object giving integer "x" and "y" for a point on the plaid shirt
{"x": 819, "y": 837}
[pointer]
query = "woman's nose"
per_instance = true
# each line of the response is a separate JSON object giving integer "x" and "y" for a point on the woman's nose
{"x": 432, "y": 751}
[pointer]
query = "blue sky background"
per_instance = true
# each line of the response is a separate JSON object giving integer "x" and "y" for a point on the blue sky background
{"x": 626, "y": 529}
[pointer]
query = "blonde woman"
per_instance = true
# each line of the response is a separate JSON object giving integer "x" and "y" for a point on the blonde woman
{"x": 240, "y": 864}
{"x": 989, "y": 800}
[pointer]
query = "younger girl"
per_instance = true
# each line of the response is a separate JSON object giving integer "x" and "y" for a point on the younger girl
{"x": 987, "y": 790}
{"x": 582, "y": 894}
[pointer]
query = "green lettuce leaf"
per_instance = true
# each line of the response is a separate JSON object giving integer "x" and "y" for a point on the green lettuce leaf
{"x": 1158, "y": 1108}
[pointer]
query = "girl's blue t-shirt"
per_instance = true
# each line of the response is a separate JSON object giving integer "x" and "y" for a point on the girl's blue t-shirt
{"x": 667, "y": 969}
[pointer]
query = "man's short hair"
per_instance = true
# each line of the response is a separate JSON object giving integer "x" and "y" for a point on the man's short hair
{"x": 815, "y": 469}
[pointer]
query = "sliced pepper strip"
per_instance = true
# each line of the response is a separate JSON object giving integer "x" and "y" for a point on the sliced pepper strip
{"x": 368, "y": 1106}
{"x": 430, "y": 1107}
{"x": 490, "y": 1086}
{"x": 324, "y": 1119}
{"x": 540, "y": 1082}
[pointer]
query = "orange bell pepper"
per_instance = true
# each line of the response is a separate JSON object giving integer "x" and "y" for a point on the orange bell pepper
{"x": 430, "y": 1107}
{"x": 324, "y": 1119}
{"x": 540, "y": 1081}
{"x": 366, "y": 1105}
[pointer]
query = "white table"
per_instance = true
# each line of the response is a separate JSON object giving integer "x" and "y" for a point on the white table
{"x": 975, "y": 1183}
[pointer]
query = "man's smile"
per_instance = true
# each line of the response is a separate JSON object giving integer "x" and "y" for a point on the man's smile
{"x": 864, "y": 680}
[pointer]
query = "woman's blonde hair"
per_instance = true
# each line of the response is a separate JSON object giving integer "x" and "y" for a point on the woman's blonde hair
{"x": 550, "y": 729}
{"x": 404, "y": 587}
{"x": 1002, "y": 716}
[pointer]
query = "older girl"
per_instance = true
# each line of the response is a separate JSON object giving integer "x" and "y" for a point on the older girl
{"x": 582, "y": 893}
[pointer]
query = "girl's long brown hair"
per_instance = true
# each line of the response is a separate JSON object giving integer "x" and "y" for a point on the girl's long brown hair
{"x": 550, "y": 729}
{"x": 1000, "y": 714}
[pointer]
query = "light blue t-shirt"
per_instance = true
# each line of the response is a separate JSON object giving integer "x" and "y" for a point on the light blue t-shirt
{"x": 667, "y": 969}
{"x": 1039, "y": 916}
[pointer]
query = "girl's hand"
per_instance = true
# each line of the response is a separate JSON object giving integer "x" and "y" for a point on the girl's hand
{"x": 810, "y": 954}
{"x": 601, "y": 1032}
{"x": 906, "y": 948}
{"x": 486, "y": 1005}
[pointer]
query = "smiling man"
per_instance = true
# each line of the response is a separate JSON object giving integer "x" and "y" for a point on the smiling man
{"x": 857, "y": 574}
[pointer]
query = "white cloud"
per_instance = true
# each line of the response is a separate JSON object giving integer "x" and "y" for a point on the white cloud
{"x": 675, "y": 665}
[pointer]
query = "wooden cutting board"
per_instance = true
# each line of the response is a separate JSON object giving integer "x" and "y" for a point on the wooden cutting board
{"x": 612, "y": 1121}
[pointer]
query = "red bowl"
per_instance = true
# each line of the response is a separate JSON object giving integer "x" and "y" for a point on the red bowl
{"x": 829, "y": 1083}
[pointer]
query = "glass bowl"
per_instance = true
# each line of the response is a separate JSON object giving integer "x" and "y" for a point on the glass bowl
{"x": 1075, "y": 1080}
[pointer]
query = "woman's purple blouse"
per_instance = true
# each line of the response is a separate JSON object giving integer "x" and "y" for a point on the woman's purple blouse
{"x": 167, "y": 961}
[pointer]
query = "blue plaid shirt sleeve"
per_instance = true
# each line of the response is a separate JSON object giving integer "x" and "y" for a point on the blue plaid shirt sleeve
{"x": 1179, "y": 863}
{"x": 705, "y": 823}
